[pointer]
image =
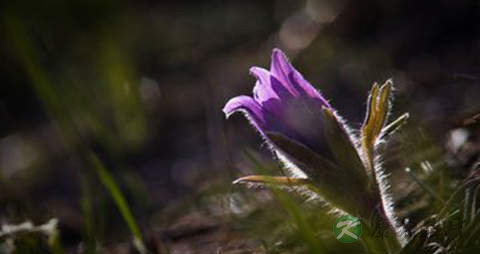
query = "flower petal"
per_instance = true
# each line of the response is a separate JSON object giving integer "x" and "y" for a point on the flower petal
{"x": 305, "y": 87}
{"x": 292, "y": 79}
{"x": 280, "y": 68}
{"x": 262, "y": 91}
{"x": 250, "y": 107}
{"x": 269, "y": 92}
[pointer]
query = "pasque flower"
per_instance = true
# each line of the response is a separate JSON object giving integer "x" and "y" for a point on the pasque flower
{"x": 284, "y": 102}
{"x": 296, "y": 121}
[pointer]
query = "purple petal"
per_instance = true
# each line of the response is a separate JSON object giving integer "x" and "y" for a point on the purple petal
{"x": 281, "y": 89}
{"x": 250, "y": 107}
{"x": 284, "y": 102}
{"x": 292, "y": 79}
{"x": 280, "y": 68}
{"x": 263, "y": 90}
{"x": 305, "y": 87}
{"x": 269, "y": 92}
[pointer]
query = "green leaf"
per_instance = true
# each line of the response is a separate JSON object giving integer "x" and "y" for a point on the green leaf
{"x": 337, "y": 185}
{"x": 378, "y": 108}
{"x": 342, "y": 146}
{"x": 395, "y": 125}
{"x": 383, "y": 107}
{"x": 314, "y": 165}
{"x": 276, "y": 180}
{"x": 279, "y": 182}
{"x": 368, "y": 127}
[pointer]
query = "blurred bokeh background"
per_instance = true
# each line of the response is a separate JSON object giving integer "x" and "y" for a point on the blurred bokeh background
{"x": 139, "y": 85}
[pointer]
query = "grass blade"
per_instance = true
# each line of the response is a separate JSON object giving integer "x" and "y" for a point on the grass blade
{"x": 107, "y": 179}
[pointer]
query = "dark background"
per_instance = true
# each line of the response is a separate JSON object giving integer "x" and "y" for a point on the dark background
{"x": 142, "y": 84}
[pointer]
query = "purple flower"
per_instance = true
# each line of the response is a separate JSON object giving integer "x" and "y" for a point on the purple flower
{"x": 283, "y": 102}
{"x": 296, "y": 121}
